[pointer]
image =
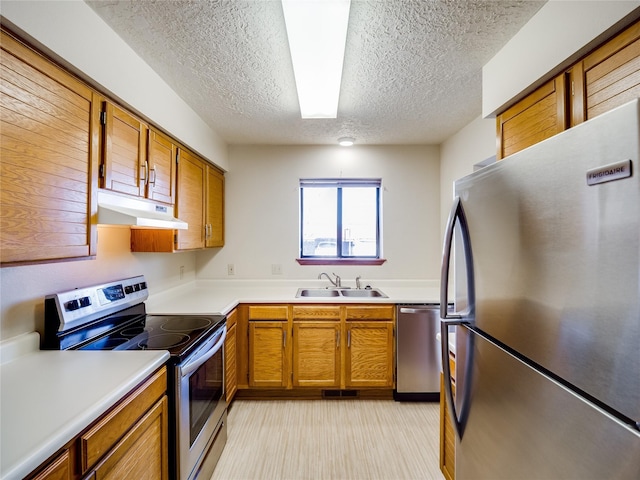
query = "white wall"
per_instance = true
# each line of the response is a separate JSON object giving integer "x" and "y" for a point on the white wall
{"x": 458, "y": 154}
{"x": 72, "y": 33}
{"x": 23, "y": 288}
{"x": 262, "y": 210}
{"x": 556, "y": 36}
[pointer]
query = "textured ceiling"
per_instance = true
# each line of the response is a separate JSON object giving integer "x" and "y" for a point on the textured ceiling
{"x": 412, "y": 70}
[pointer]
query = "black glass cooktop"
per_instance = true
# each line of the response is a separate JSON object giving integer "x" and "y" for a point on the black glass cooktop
{"x": 178, "y": 334}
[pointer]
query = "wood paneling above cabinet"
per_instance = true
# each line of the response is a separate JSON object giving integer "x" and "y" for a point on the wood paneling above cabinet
{"x": 604, "y": 79}
{"x": 533, "y": 119}
{"x": 611, "y": 74}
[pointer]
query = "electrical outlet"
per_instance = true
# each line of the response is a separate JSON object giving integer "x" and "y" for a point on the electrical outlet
{"x": 181, "y": 272}
{"x": 276, "y": 269}
{"x": 231, "y": 270}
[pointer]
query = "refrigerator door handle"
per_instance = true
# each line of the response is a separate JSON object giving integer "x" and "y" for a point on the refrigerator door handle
{"x": 456, "y": 318}
{"x": 456, "y": 418}
{"x": 456, "y": 216}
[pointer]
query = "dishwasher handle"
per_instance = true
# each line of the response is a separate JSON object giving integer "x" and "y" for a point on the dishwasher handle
{"x": 419, "y": 309}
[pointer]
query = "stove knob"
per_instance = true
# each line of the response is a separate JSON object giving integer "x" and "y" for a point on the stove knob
{"x": 136, "y": 287}
{"x": 72, "y": 305}
{"x": 128, "y": 289}
{"x": 85, "y": 302}
{"x": 143, "y": 285}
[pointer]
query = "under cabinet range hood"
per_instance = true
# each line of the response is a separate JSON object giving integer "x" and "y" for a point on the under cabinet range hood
{"x": 115, "y": 209}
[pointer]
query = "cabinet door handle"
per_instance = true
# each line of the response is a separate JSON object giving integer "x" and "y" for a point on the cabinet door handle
{"x": 152, "y": 182}
{"x": 284, "y": 339}
{"x": 337, "y": 338}
{"x": 145, "y": 173}
{"x": 348, "y": 338}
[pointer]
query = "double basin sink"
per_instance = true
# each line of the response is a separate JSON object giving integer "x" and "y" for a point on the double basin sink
{"x": 340, "y": 292}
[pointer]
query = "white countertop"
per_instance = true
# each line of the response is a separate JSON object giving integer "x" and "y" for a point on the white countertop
{"x": 222, "y": 296}
{"x": 48, "y": 397}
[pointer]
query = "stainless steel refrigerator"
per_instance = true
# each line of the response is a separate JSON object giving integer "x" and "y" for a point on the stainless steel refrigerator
{"x": 545, "y": 266}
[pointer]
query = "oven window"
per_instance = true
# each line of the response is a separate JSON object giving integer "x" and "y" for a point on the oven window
{"x": 205, "y": 391}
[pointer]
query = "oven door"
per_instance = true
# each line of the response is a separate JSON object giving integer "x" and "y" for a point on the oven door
{"x": 200, "y": 404}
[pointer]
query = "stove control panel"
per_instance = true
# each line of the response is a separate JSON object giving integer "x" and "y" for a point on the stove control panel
{"x": 83, "y": 305}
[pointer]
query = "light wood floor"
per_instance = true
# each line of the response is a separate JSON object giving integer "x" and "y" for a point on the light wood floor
{"x": 330, "y": 439}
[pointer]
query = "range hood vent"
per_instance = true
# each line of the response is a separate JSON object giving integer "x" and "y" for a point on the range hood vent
{"x": 119, "y": 210}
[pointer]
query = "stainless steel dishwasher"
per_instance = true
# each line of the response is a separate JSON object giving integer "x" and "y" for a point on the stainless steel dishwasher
{"x": 418, "y": 352}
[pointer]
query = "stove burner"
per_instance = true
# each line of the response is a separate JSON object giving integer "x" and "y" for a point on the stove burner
{"x": 181, "y": 324}
{"x": 132, "y": 331}
{"x": 162, "y": 341}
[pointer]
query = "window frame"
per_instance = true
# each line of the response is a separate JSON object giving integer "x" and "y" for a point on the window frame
{"x": 339, "y": 184}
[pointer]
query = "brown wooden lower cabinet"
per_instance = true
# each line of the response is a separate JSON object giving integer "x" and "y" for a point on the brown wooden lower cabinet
{"x": 447, "y": 434}
{"x": 332, "y": 347}
{"x": 369, "y": 354}
{"x": 316, "y": 353}
{"x": 269, "y": 346}
{"x": 230, "y": 353}
{"x": 129, "y": 441}
{"x": 57, "y": 469}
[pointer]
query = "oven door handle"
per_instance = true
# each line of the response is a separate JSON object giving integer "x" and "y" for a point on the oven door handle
{"x": 204, "y": 353}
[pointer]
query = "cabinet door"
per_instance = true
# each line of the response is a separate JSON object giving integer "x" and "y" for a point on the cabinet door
{"x": 536, "y": 117}
{"x": 231, "y": 373}
{"x": 369, "y": 354}
{"x": 611, "y": 74}
{"x": 143, "y": 452}
{"x": 447, "y": 437}
{"x": 49, "y": 145}
{"x": 316, "y": 354}
{"x": 58, "y": 469}
{"x": 214, "y": 208}
{"x": 190, "y": 200}
{"x": 161, "y": 159}
{"x": 268, "y": 351}
{"x": 124, "y": 168}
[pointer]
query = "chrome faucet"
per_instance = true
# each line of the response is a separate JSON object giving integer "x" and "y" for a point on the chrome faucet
{"x": 358, "y": 287}
{"x": 336, "y": 283}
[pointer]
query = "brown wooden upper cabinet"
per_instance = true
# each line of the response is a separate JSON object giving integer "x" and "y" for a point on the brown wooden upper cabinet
{"x": 199, "y": 202}
{"x": 190, "y": 205}
{"x": 606, "y": 78}
{"x": 49, "y": 140}
{"x": 214, "y": 208}
{"x": 161, "y": 155}
{"x": 137, "y": 160}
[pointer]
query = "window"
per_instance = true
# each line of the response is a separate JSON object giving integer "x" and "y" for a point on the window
{"x": 340, "y": 219}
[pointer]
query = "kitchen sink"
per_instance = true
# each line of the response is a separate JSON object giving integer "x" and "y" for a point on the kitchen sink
{"x": 317, "y": 292}
{"x": 342, "y": 292}
{"x": 374, "y": 292}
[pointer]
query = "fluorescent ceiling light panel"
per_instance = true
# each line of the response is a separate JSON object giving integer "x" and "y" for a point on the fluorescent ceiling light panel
{"x": 317, "y": 31}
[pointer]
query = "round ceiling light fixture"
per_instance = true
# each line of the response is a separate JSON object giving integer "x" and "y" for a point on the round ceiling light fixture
{"x": 346, "y": 141}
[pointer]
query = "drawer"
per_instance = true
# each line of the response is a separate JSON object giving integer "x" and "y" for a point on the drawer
{"x": 268, "y": 312}
{"x": 102, "y": 436}
{"x": 371, "y": 312}
{"x": 316, "y": 312}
